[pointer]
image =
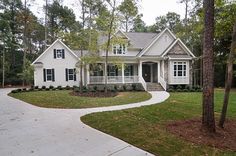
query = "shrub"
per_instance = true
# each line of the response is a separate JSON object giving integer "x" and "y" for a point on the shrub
{"x": 51, "y": 87}
{"x": 54, "y": 88}
{"x": 24, "y": 89}
{"x": 124, "y": 87}
{"x": 32, "y": 86}
{"x": 74, "y": 86}
{"x": 185, "y": 90}
{"x": 36, "y": 87}
{"x": 115, "y": 88}
{"x": 40, "y": 89}
{"x": 19, "y": 90}
{"x": 31, "y": 89}
{"x": 14, "y": 91}
{"x": 93, "y": 91}
{"x": 179, "y": 87}
{"x": 47, "y": 89}
{"x": 59, "y": 87}
{"x": 67, "y": 87}
{"x": 43, "y": 87}
{"x": 134, "y": 87}
{"x": 95, "y": 88}
{"x": 85, "y": 90}
{"x": 171, "y": 90}
{"x": 179, "y": 90}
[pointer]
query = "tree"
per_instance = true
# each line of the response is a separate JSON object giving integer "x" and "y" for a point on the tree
{"x": 139, "y": 25}
{"x": 208, "y": 118}
{"x": 229, "y": 77}
{"x": 128, "y": 10}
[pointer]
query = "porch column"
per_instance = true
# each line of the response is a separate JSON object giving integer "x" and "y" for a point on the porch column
{"x": 123, "y": 72}
{"x": 88, "y": 75}
{"x": 140, "y": 70}
{"x": 158, "y": 71}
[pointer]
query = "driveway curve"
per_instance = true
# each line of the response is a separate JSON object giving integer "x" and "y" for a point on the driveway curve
{"x": 27, "y": 130}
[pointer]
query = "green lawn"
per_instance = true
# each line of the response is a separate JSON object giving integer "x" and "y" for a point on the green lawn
{"x": 62, "y": 99}
{"x": 145, "y": 127}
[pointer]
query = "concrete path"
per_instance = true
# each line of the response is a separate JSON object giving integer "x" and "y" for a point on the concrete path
{"x": 27, "y": 130}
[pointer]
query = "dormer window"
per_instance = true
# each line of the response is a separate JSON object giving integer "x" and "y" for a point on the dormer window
{"x": 59, "y": 53}
{"x": 119, "y": 49}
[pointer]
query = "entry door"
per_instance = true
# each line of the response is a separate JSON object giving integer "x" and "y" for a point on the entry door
{"x": 146, "y": 72}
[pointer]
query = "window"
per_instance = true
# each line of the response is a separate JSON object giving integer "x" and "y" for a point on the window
{"x": 129, "y": 70}
{"x": 48, "y": 75}
{"x": 119, "y": 49}
{"x": 112, "y": 70}
{"x": 59, "y": 53}
{"x": 70, "y": 74}
{"x": 179, "y": 69}
{"x": 96, "y": 70}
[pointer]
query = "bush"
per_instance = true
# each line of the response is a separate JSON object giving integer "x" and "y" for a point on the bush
{"x": 47, "y": 89}
{"x": 185, "y": 90}
{"x": 31, "y": 89}
{"x": 54, "y": 88}
{"x": 67, "y": 87}
{"x": 40, "y": 89}
{"x": 134, "y": 87}
{"x": 179, "y": 90}
{"x": 19, "y": 90}
{"x": 51, "y": 87}
{"x": 124, "y": 87}
{"x": 95, "y": 88}
{"x": 115, "y": 88}
{"x": 36, "y": 87}
{"x": 43, "y": 87}
{"x": 14, "y": 91}
{"x": 93, "y": 91}
{"x": 24, "y": 89}
{"x": 171, "y": 90}
{"x": 59, "y": 87}
{"x": 74, "y": 86}
{"x": 178, "y": 87}
{"x": 32, "y": 86}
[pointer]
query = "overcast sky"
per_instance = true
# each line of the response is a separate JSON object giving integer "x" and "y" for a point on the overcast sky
{"x": 150, "y": 8}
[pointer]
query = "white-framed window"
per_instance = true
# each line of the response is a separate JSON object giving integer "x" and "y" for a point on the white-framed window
{"x": 180, "y": 69}
{"x": 129, "y": 70}
{"x": 119, "y": 49}
{"x": 71, "y": 74}
{"x": 59, "y": 53}
{"x": 112, "y": 70}
{"x": 48, "y": 74}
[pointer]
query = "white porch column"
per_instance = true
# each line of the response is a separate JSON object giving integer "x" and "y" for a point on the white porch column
{"x": 140, "y": 70}
{"x": 158, "y": 71}
{"x": 88, "y": 75}
{"x": 123, "y": 72}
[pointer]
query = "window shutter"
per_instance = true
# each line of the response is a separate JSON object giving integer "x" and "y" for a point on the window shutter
{"x": 63, "y": 53}
{"x": 74, "y": 74}
{"x": 132, "y": 71}
{"x": 53, "y": 75}
{"x": 116, "y": 68}
{"x": 66, "y": 74}
{"x": 55, "y": 53}
{"x": 108, "y": 70}
{"x": 44, "y": 75}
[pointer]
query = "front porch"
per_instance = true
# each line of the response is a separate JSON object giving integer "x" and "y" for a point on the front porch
{"x": 141, "y": 72}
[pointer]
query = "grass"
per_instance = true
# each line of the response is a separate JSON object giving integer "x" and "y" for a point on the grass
{"x": 62, "y": 99}
{"x": 145, "y": 127}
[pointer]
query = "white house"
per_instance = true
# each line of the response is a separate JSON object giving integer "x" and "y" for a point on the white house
{"x": 147, "y": 58}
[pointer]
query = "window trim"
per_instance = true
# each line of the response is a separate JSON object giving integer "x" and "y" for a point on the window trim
{"x": 176, "y": 69}
{"x": 59, "y": 53}
{"x": 119, "y": 49}
{"x": 51, "y": 74}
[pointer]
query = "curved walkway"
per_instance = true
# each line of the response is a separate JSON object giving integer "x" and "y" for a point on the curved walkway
{"x": 29, "y": 130}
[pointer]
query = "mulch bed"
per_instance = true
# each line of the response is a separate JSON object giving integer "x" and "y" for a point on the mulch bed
{"x": 95, "y": 94}
{"x": 190, "y": 130}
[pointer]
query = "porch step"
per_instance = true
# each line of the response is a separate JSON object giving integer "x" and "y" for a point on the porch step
{"x": 154, "y": 87}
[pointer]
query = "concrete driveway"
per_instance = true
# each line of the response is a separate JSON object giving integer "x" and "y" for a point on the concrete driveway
{"x": 27, "y": 130}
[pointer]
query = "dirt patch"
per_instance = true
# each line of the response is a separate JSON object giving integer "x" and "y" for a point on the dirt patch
{"x": 95, "y": 94}
{"x": 190, "y": 130}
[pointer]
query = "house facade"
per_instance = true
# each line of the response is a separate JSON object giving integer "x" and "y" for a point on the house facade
{"x": 146, "y": 58}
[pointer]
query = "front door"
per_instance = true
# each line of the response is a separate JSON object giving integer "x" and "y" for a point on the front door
{"x": 146, "y": 72}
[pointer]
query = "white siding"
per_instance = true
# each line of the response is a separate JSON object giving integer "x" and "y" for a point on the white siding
{"x": 177, "y": 80}
{"x": 59, "y": 66}
{"x": 161, "y": 45}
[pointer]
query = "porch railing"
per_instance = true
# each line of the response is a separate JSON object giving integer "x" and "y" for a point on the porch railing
{"x": 143, "y": 83}
{"x": 113, "y": 79}
{"x": 163, "y": 83}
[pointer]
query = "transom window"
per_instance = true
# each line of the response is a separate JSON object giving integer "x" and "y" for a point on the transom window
{"x": 119, "y": 49}
{"x": 49, "y": 74}
{"x": 179, "y": 69}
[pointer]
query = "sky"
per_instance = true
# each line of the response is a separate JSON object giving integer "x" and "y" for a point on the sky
{"x": 149, "y": 8}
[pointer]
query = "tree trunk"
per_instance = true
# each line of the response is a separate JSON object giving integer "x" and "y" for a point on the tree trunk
{"x": 108, "y": 43}
{"x": 81, "y": 73}
{"x": 3, "y": 68}
{"x": 208, "y": 118}
{"x": 229, "y": 77}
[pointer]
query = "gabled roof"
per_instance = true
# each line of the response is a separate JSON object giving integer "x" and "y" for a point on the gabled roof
{"x": 58, "y": 40}
{"x": 138, "y": 40}
{"x": 154, "y": 41}
{"x": 177, "y": 41}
